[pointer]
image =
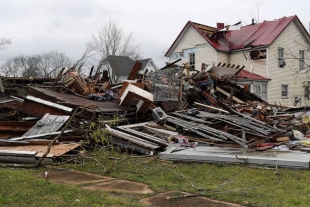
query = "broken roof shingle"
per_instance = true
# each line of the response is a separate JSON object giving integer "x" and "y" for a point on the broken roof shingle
{"x": 121, "y": 65}
{"x": 144, "y": 62}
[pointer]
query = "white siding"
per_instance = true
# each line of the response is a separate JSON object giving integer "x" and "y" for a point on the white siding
{"x": 190, "y": 40}
{"x": 289, "y": 75}
{"x": 254, "y": 66}
{"x": 204, "y": 53}
{"x": 222, "y": 58}
{"x": 150, "y": 67}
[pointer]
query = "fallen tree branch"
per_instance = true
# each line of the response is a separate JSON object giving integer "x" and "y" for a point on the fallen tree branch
{"x": 185, "y": 196}
{"x": 192, "y": 184}
{"x": 127, "y": 158}
{"x": 233, "y": 190}
{"x": 80, "y": 157}
{"x": 203, "y": 194}
{"x": 59, "y": 135}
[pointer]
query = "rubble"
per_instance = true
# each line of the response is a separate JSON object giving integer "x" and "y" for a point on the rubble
{"x": 182, "y": 114}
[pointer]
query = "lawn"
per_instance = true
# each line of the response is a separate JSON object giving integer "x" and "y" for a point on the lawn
{"x": 243, "y": 184}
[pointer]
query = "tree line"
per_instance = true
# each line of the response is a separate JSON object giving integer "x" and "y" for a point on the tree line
{"x": 46, "y": 65}
{"x": 107, "y": 40}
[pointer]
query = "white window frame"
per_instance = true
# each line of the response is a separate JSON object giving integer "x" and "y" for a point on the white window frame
{"x": 285, "y": 85}
{"x": 264, "y": 92}
{"x": 261, "y": 91}
{"x": 280, "y": 56}
{"x": 191, "y": 59}
{"x": 307, "y": 92}
{"x": 301, "y": 59}
{"x": 175, "y": 55}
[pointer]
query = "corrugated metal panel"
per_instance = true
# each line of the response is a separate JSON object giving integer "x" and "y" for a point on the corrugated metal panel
{"x": 255, "y": 35}
{"x": 48, "y": 124}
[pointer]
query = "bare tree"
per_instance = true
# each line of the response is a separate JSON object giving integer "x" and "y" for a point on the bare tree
{"x": 303, "y": 59}
{"x": 255, "y": 15}
{"x": 21, "y": 66}
{"x": 83, "y": 60}
{"x": 51, "y": 63}
{"x": 45, "y": 65}
{"x": 4, "y": 42}
{"x": 112, "y": 40}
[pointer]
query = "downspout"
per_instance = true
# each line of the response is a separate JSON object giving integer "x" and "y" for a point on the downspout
{"x": 267, "y": 71}
{"x": 267, "y": 62}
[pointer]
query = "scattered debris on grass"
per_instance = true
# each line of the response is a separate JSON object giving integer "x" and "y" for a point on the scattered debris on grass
{"x": 201, "y": 116}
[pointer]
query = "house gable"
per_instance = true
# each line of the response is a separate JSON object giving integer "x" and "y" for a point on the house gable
{"x": 189, "y": 37}
{"x": 147, "y": 64}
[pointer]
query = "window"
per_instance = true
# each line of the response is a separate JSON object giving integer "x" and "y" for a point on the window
{"x": 175, "y": 55}
{"x": 260, "y": 89}
{"x": 258, "y": 54}
{"x": 257, "y": 89}
{"x": 301, "y": 59}
{"x": 284, "y": 91}
{"x": 192, "y": 60}
{"x": 307, "y": 92}
{"x": 264, "y": 91}
{"x": 281, "y": 62}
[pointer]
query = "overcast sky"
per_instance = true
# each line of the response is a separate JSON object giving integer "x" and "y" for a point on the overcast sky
{"x": 38, "y": 26}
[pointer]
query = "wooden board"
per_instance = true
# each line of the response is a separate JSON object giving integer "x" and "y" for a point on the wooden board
{"x": 281, "y": 139}
{"x": 57, "y": 150}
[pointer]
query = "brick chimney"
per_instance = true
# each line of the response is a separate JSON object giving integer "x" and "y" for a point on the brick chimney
{"x": 220, "y": 25}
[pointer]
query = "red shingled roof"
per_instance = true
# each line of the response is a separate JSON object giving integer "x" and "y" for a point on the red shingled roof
{"x": 246, "y": 75}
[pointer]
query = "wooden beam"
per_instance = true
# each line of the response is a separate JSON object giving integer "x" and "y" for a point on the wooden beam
{"x": 134, "y": 71}
{"x": 211, "y": 107}
{"x": 57, "y": 78}
{"x": 228, "y": 95}
{"x": 181, "y": 84}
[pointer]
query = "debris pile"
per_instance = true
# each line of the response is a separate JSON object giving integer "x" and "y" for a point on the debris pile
{"x": 174, "y": 108}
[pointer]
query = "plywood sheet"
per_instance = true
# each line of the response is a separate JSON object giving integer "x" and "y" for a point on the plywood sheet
{"x": 57, "y": 150}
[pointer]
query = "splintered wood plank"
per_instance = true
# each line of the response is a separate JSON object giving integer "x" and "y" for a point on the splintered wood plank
{"x": 47, "y": 156}
{"x": 57, "y": 150}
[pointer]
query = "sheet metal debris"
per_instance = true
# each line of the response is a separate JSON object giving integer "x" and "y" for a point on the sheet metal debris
{"x": 184, "y": 115}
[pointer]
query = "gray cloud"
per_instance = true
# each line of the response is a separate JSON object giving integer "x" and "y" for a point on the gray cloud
{"x": 41, "y": 26}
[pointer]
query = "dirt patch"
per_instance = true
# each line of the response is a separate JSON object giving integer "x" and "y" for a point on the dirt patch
{"x": 95, "y": 182}
{"x": 160, "y": 200}
{"x": 121, "y": 186}
{"x": 73, "y": 177}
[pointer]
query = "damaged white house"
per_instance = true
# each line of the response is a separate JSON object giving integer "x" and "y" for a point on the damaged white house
{"x": 277, "y": 51}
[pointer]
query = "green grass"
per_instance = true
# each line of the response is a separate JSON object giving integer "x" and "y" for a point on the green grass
{"x": 287, "y": 187}
{"x": 23, "y": 188}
